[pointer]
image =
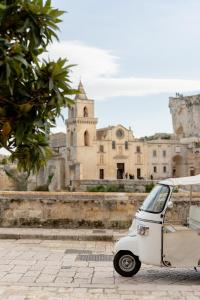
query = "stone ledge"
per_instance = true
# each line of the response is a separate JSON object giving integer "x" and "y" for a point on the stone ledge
{"x": 79, "y": 209}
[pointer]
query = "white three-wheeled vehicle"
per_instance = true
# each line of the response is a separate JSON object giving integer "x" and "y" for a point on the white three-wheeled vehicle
{"x": 155, "y": 241}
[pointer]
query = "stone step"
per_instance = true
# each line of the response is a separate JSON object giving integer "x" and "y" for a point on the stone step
{"x": 62, "y": 234}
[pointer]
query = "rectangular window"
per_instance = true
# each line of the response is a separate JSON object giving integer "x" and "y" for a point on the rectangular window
{"x": 192, "y": 172}
{"x": 126, "y": 145}
{"x": 154, "y": 153}
{"x": 101, "y": 174}
{"x": 113, "y": 145}
{"x": 164, "y": 153}
{"x": 101, "y": 148}
{"x": 164, "y": 169}
{"x": 138, "y": 173}
{"x": 138, "y": 150}
{"x": 155, "y": 169}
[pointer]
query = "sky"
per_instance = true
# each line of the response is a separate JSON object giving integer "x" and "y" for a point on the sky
{"x": 131, "y": 56}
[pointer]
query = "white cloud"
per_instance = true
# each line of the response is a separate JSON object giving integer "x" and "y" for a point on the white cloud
{"x": 99, "y": 70}
{"x": 115, "y": 87}
{"x": 91, "y": 62}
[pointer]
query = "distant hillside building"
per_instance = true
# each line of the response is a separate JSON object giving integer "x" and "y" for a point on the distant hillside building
{"x": 185, "y": 116}
{"x": 185, "y": 113}
{"x": 55, "y": 166}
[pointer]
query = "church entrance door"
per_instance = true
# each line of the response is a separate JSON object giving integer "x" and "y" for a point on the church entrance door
{"x": 120, "y": 170}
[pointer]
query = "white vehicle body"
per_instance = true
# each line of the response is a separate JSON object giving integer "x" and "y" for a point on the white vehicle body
{"x": 156, "y": 242}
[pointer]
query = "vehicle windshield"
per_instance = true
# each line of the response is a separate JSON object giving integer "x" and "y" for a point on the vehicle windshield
{"x": 156, "y": 199}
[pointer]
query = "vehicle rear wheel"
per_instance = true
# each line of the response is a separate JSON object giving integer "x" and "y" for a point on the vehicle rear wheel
{"x": 126, "y": 264}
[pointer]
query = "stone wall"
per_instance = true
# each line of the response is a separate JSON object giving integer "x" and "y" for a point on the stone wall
{"x": 84, "y": 210}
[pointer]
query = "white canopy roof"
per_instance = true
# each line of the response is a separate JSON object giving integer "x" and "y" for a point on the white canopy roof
{"x": 190, "y": 180}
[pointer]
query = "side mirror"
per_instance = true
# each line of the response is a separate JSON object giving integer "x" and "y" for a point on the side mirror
{"x": 170, "y": 204}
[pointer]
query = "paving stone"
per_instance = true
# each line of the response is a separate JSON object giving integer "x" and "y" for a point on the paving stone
{"x": 47, "y": 272}
{"x": 16, "y": 298}
{"x": 82, "y": 280}
{"x": 10, "y": 278}
{"x": 4, "y": 268}
{"x": 50, "y": 272}
{"x": 102, "y": 280}
{"x": 64, "y": 279}
{"x": 28, "y": 279}
{"x": 32, "y": 273}
{"x": 20, "y": 269}
{"x": 83, "y": 276}
{"x": 24, "y": 262}
{"x": 45, "y": 278}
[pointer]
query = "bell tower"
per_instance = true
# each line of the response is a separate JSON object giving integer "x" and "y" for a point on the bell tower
{"x": 81, "y": 139}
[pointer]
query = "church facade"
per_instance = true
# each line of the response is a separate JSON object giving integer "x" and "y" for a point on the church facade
{"x": 88, "y": 153}
{"x": 114, "y": 152}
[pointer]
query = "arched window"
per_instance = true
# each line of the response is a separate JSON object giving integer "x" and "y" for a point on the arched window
{"x": 138, "y": 149}
{"x": 101, "y": 148}
{"x": 85, "y": 112}
{"x": 72, "y": 112}
{"x": 86, "y": 138}
{"x": 71, "y": 138}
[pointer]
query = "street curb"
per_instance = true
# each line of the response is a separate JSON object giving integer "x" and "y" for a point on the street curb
{"x": 108, "y": 238}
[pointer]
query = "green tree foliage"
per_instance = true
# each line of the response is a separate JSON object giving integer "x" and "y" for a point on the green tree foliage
{"x": 32, "y": 92}
{"x": 149, "y": 187}
{"x": 110, "y": 188}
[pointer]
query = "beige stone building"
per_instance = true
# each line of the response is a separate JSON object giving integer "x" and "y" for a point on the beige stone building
{"x": 56, "y": 166}
{"x": 114, "y": 153}
{"x": 6, "y": 183}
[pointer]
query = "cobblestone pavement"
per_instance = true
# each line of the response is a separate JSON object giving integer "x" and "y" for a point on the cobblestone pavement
{"x": 54, "y": 270}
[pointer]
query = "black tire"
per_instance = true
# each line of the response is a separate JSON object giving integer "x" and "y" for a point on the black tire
{"x": 126, "y": 264}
